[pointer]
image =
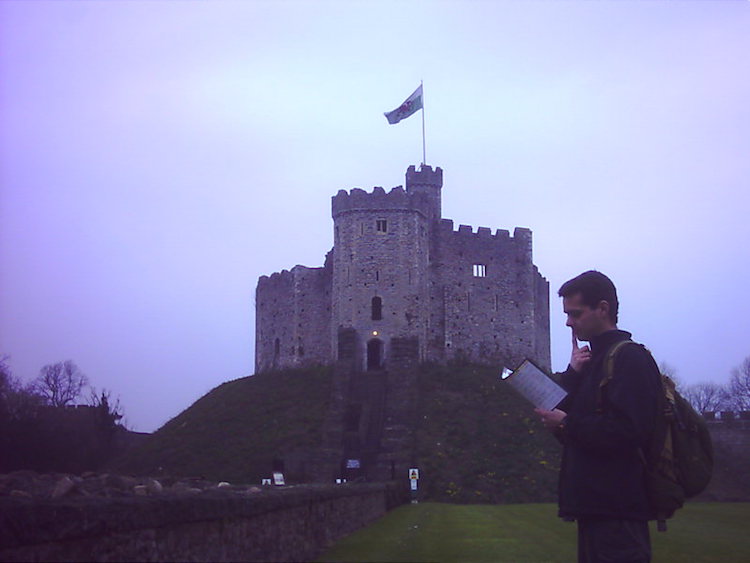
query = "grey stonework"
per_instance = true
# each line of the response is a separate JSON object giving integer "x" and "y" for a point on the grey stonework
{"x": 401, "y": 281}
{"x": 198, "y": 524}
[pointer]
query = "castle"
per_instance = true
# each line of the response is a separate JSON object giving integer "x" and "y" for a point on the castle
{"x": 401, "y": 284}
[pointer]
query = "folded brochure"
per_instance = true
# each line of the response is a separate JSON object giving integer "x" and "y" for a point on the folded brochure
{"x": 535, "y": 385}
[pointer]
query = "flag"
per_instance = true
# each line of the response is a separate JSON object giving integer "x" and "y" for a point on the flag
{"x": 413, "y": 103}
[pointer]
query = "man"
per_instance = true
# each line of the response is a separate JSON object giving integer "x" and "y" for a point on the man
{"x": 604, "y": 431}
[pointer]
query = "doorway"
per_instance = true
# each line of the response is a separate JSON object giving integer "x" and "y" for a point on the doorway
{"x": 374, "y": 354}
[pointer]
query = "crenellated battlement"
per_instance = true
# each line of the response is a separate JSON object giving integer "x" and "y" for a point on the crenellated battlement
{"x": 485, "y": 233}
{"x": 287, "y": 277}
{"x": 425, "y": 176}
{"x": 284, "y": 276}
{"x": 359, "y": 200}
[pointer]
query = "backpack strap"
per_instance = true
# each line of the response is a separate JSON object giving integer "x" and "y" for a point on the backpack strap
{"x": 609, "y": 368}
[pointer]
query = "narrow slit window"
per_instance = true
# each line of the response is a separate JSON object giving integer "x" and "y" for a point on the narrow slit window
{"x": 377, "y": 309}
{"x": 479, "y": 270}
{"x": 381, "y": 226}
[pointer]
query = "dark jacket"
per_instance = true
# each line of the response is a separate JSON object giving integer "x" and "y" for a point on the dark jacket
{"x": 602, "y": 474}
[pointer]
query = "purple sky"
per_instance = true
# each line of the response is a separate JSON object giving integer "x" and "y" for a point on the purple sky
{"x": 156, "y": 158}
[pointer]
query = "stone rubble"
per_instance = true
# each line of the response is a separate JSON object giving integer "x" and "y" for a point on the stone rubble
{"x": 33, "y": 485}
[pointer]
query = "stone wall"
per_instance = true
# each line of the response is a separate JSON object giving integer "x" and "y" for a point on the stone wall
{"x": 734, "y": 434}
{"x": 731, "y": 475}
{"x": 389, "y": 265}
{"x": 293, "y": 318}
{"x": 294, "y": 524}
{"x": 493, "y": 298}
{"x": 542, "y": 352}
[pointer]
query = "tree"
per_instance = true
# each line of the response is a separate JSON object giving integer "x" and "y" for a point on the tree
{"x": 60, "y": 384}
{"x": 16, "y": 401}
{"x": 6, "y": 386}
{"x": 706, "y": 397}
{"x": 111, "y": 413}
{"x": 6, "y": 377}
{"x": 739, "y": 387}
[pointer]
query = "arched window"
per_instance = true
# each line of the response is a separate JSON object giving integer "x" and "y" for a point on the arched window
{"x": 377, "y": 309}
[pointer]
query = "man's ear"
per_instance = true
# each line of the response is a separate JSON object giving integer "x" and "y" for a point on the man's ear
{"x": 603, "y": 306}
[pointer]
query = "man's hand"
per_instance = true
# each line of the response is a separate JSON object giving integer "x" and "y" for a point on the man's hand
{"x": 551, "y": 419}
{"x": 580, "y": 355}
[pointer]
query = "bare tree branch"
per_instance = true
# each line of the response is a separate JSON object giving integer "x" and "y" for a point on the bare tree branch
{"x": 103, "y": 401}
{"x": 60, "y": 384}
{"x": 739, "y": 387}
{"x": 706, "y": 397}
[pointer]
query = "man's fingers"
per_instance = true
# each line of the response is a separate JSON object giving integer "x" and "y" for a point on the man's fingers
{"x": 575, "y": 340}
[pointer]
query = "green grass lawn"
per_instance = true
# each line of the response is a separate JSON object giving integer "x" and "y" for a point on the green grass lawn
{"x": 701, "y": 532}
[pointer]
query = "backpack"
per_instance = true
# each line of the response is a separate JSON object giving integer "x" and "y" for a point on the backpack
{"x": 679, "y": 459}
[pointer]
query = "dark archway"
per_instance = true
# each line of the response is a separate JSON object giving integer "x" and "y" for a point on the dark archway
{"x": 374, "y": 354}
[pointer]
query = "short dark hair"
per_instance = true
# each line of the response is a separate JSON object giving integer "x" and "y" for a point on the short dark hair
{"x": 593, "y": 287}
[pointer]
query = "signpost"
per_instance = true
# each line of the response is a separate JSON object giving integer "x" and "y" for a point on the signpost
{"x": 414, "y": 479}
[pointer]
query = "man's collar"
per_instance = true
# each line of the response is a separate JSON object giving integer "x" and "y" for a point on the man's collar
{"x": 603, "y": 341}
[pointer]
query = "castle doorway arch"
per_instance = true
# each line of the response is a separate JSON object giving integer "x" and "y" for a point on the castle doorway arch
{"x": 374, "y": 354}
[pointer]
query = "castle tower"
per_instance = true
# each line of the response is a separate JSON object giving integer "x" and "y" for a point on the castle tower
{"x": 380, "y": 267}
{"x": 402, "y": 284}
{"x": 426, "y": 183}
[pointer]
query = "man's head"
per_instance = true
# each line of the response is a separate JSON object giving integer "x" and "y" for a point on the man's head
{"x": 590, "y": 302}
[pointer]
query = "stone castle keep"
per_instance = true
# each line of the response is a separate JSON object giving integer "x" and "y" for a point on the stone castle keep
{"x": 401, "y": 284}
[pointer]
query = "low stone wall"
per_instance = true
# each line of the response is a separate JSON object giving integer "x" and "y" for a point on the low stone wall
{"x": 290, "y": 524}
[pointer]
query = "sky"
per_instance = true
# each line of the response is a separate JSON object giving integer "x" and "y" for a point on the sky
{"x": 156, "y": 158}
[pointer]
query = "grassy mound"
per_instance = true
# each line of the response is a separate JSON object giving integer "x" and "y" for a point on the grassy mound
{"x": 477, "y": 441}
{"x": 235, "y": 431}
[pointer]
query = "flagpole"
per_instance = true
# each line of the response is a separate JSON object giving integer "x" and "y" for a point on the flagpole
{"x": 424, "y": 149}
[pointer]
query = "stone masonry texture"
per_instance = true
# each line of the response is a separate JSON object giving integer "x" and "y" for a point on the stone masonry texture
{"x": 291, "y": 524}
{"x": 400, "y": 273}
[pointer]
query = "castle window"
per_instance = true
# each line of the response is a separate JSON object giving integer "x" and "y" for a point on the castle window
{"x": 381, "y": 226}
{"x": 377, "y": 309}
{"x": 479, "y": 270}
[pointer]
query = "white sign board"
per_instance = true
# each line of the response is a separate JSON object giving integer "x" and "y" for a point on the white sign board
{"x": 278, "y": 478}
{"x": 413, "y": 473}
